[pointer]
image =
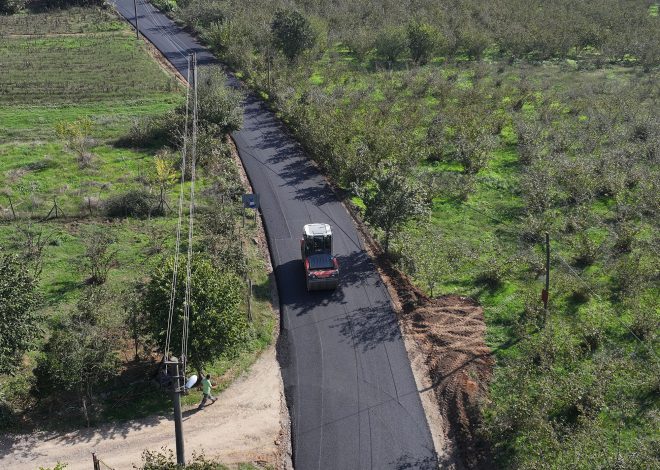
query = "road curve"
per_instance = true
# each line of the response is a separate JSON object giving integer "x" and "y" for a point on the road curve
{"x": 349, "y": 386}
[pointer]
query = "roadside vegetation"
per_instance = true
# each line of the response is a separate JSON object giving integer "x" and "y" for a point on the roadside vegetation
{"x": 90, "y": 155}
{"x": 492, "y": 123}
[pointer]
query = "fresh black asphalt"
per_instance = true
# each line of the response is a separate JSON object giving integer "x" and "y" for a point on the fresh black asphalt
{"x": 347, "y": 377}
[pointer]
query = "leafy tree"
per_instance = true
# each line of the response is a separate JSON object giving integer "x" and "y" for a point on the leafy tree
{"x": 18, "y": 301}
{"x": 217, "y": 323}
{"x": 392, "y": 200}
{"x": 391, "y": 43}
{"x": 421, "y": 41}
{"x": 292, "y": 33}
{"x": 465, "y": 135}
{"x": 163, "y": 176}
{"x": 80, "y": 355}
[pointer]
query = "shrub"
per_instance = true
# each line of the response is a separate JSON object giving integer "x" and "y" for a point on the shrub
{"x": 155, "y": 131}
{"x": 99, "y": 255}
{"x": 219, "y": 107}
{"x": 78, "y": 356}
{"x": 164, "y": 460}
{"x": 69, "y": 3}
{"x": 9, "y": 7}
{"x": 202, "y": 13}
{"x": 77, "y": 136}
{"x": 165, "y": 5}
{"x": 134, "y": 203}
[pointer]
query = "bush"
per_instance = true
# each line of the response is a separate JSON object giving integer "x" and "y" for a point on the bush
{"x": 9, "y": 7}
{"x": 155, "y": 131}
{"x": 99, "y": 255}
{"x": 165, "y": 5}
{"x": 164, "y": 460}
{"x": 219, "y": 107}
{"x": 203, "y": 13}
{"x": 134, "y": 203}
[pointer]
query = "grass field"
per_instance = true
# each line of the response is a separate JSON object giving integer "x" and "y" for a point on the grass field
{"x": 64, "y": 66}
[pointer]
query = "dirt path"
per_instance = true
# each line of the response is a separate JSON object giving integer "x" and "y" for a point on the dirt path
{"x": 243, "y": 425}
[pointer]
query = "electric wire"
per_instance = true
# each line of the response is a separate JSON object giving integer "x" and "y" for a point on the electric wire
{"x": 191, "y": 220}
{"x": 178, "y": 225}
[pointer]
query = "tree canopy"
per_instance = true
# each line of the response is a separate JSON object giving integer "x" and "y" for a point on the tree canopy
{"x": 18, "y": 301}
{"x": 292, "y": 33}
{"x": 217, "y": 322}
{"x": 393, "y": 200}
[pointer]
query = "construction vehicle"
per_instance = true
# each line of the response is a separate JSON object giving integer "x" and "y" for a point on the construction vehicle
{"x": 321, "y": 268}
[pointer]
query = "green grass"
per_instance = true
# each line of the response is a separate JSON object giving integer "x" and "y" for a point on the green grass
{"x": 85, "y": 63}
{"x": 74, "y": 68}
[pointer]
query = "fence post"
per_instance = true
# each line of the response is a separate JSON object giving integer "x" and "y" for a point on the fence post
{"x": 97, "y": 465}
{"x": 11, "y": 204}
{"x": 249, "y": 299}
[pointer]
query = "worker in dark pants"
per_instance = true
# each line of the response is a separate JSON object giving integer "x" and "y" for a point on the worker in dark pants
{"x": 206, "y": 391}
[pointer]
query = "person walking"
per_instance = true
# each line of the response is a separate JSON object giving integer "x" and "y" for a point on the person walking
{"x": 206, "y": 391}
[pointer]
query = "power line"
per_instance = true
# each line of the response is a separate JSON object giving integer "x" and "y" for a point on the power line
{"x": 178, "y": 225}
{"x": 191, "y": 219}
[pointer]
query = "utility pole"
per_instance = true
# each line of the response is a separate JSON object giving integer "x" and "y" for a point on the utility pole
{"x": 544, "y": 294}
{"x": 137, "y": 29}
{"x": 177, "y": 388}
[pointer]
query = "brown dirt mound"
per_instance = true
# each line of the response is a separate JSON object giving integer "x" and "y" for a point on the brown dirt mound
{"x": 450, "y": 331}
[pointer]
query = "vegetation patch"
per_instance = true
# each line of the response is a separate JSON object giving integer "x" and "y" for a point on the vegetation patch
{"x": 89, "y": 174}
{"x": 510, "y": 127}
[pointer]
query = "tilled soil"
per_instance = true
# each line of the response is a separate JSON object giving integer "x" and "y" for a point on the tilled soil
{"x": 450, "y": 332}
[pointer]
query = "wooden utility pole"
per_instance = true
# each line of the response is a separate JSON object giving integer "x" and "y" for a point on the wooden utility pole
{"x": 137, "y": 29}
{"x": 177, "y": 388}
{"x": 544, "y": 294}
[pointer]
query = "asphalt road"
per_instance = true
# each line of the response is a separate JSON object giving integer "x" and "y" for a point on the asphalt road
{"x": 349, "y": 386}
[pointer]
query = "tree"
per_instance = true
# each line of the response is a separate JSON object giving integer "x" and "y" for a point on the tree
{"x": 292, "y": 33}
{"x": 392, "y": 200}
{"x": 466, "y": 136}
{"x": 391, "y": 43}
{"x": 80, "y": 355}
{"x": 217, "y": 323}
{"x": 18, "y": 318}
{"x": 163, "y": 176}
{"x": 421, "y": 41}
